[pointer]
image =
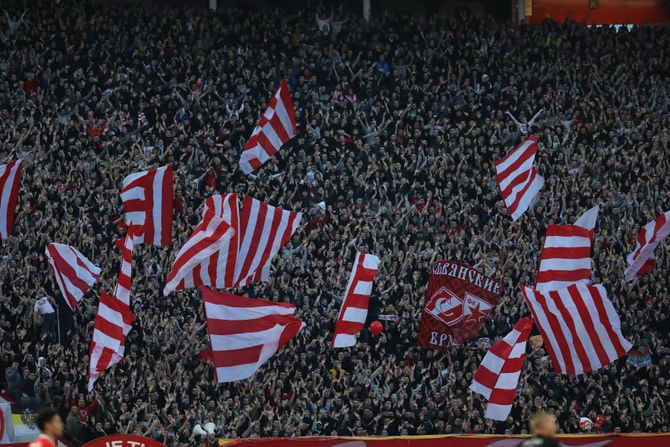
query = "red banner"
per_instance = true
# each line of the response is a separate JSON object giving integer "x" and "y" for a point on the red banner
{"x": 612, "y": 440}
{"x": 123, "y": 441}
{"x": 458, "y": 301}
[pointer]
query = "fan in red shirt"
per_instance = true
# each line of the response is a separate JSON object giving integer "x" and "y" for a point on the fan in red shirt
{"x": 51, "y": 425}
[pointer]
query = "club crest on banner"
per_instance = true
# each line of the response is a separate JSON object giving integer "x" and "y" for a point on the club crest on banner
{"x": 459, "y": 299}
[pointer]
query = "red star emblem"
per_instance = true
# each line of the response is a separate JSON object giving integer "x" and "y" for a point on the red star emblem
{"x": 476, "y": 314}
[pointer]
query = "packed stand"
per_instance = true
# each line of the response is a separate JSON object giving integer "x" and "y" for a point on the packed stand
{"x": 399, "y": 121}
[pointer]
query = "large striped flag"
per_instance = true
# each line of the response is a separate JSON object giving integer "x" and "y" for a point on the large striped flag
{"x": 517, "y": 177}
{"x": 498, "y": 375}
{"x": 112, "y": 324}
{"x": 579, "y": 325}
{"x": 148, "y": 204}
{"x": 354, "y": 309}
{"x": 276, "y": 127}
{"x": 566, "y": 254}
{"x": 10, "y": 179}
{"x": 234, "y": 259}
{"x": 642, "y": 260}
{"x": 246, "y": 332}
{"x": 74, "y": 273}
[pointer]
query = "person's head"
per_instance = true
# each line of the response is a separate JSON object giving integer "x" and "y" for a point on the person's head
{"x": 50, "y": 423}
{"x": 543, "y": 424}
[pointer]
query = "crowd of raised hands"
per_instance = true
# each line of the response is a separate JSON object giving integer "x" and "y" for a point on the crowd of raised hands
{"x": 399, "y": 121}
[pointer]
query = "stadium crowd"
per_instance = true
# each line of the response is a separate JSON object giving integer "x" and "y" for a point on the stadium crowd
{"x": 399, "y": 121}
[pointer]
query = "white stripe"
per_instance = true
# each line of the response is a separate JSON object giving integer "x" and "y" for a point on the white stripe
{"x": 566, "y": 242}
{"x": 271, "y": 135}
{"x": 156, "y": 212}
{"x": 508, "y": 381}
{"x": 344, "y": 340}
{"x": 588, "y": 219}
{"x": 113, "y": 316}
{"x": 566, "y": 264}
{"x": 370, "y": 261}
{"x": 555, "y": 285}
{"x": 479, "y": 388}
{"x": 497, "y": 412}
{"x": 363, "y": 288}
{"x": 355, "y": 314}
{"x": 223, "y": 312}
{"x": 599, "y": 325}
{"x": 132, "y": 177}
{"x": 518, "y": 350}
{"x": 493, "y": 363}
{"x": 135, "y": 217}
{"x": 102, "y": 339}
{"x": 613, "y": 318}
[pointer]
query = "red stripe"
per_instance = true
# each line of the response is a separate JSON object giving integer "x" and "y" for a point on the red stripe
{"x": 104, "y": 360}
{"x": 233, "y": 245}
{"x": 69, "y": 298}
{"x": 568, "y": 231}
{"x": 227, "y": 299}
{"x": 167, "y": 207}
{"x": 559, "y": 337}
{"x": 235, "y": 357}
{"x": 14, "y": 197}
{"x": 585, "y": 316}
{"x": 563, "y": 275}
{"x": 278, "y": 126}
{"x": 565, "y": 253}
{"x": 263, "y": 141}
{"x": 285, "y": 94}
{"x": 229, "y": 327}
{"x": 502, "y": 397}
{"x": 134, "y": 205}
{"x": 513, "y": 365}
{"x": 149, "y": 229}
{"x": 486, "y": 377}
{"x": 572, "y": 327}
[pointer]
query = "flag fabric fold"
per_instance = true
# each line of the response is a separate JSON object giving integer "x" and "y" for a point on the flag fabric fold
{"x": 517, "y": 177}
{"x": 147, "y": 199}
{"x": 498, "y": 375}
{"x": 579, "y": 325}
{"x": 642, "y": 260}
{"x": 276, "y": 126}
{"x": 235, "y": 256}
{"x": 245, "y": 332}
{"x": 354, "y": 309}
{"x": 74, "y": 273}
{"x": 10, "y": 180}
{"x": 566, "y": 253}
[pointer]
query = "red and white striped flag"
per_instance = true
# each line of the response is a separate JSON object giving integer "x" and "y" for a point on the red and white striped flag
{"x": 642, "y": 260}
{"x": 580, "y": 327}
{"x": 148, "y": 204}
{"x": 74, "y": 273}
{"x": 242, "y": 257}
{"x": 245, "y": 332}
{"x": 276, "y": 127}
{"x": 124, "y": 280}
{"x": 498, "y": 375}
{"x": 10, "y": 179}
{"x": 112, "y": 324}
{"x": 518, "y": 179}
{"x": 212, "y": 235}
{"x": 354, "y": 309}
{"x": 566, "y": 254}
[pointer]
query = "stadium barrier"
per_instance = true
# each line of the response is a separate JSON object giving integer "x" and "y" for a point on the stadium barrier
{"x": 599, "y": 440}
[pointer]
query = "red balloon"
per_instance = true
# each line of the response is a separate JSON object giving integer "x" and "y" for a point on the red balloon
{"x": 376, "y": 327}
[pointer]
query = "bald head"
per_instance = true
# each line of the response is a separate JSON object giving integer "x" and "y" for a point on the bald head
{"x": 543, "y": 424}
